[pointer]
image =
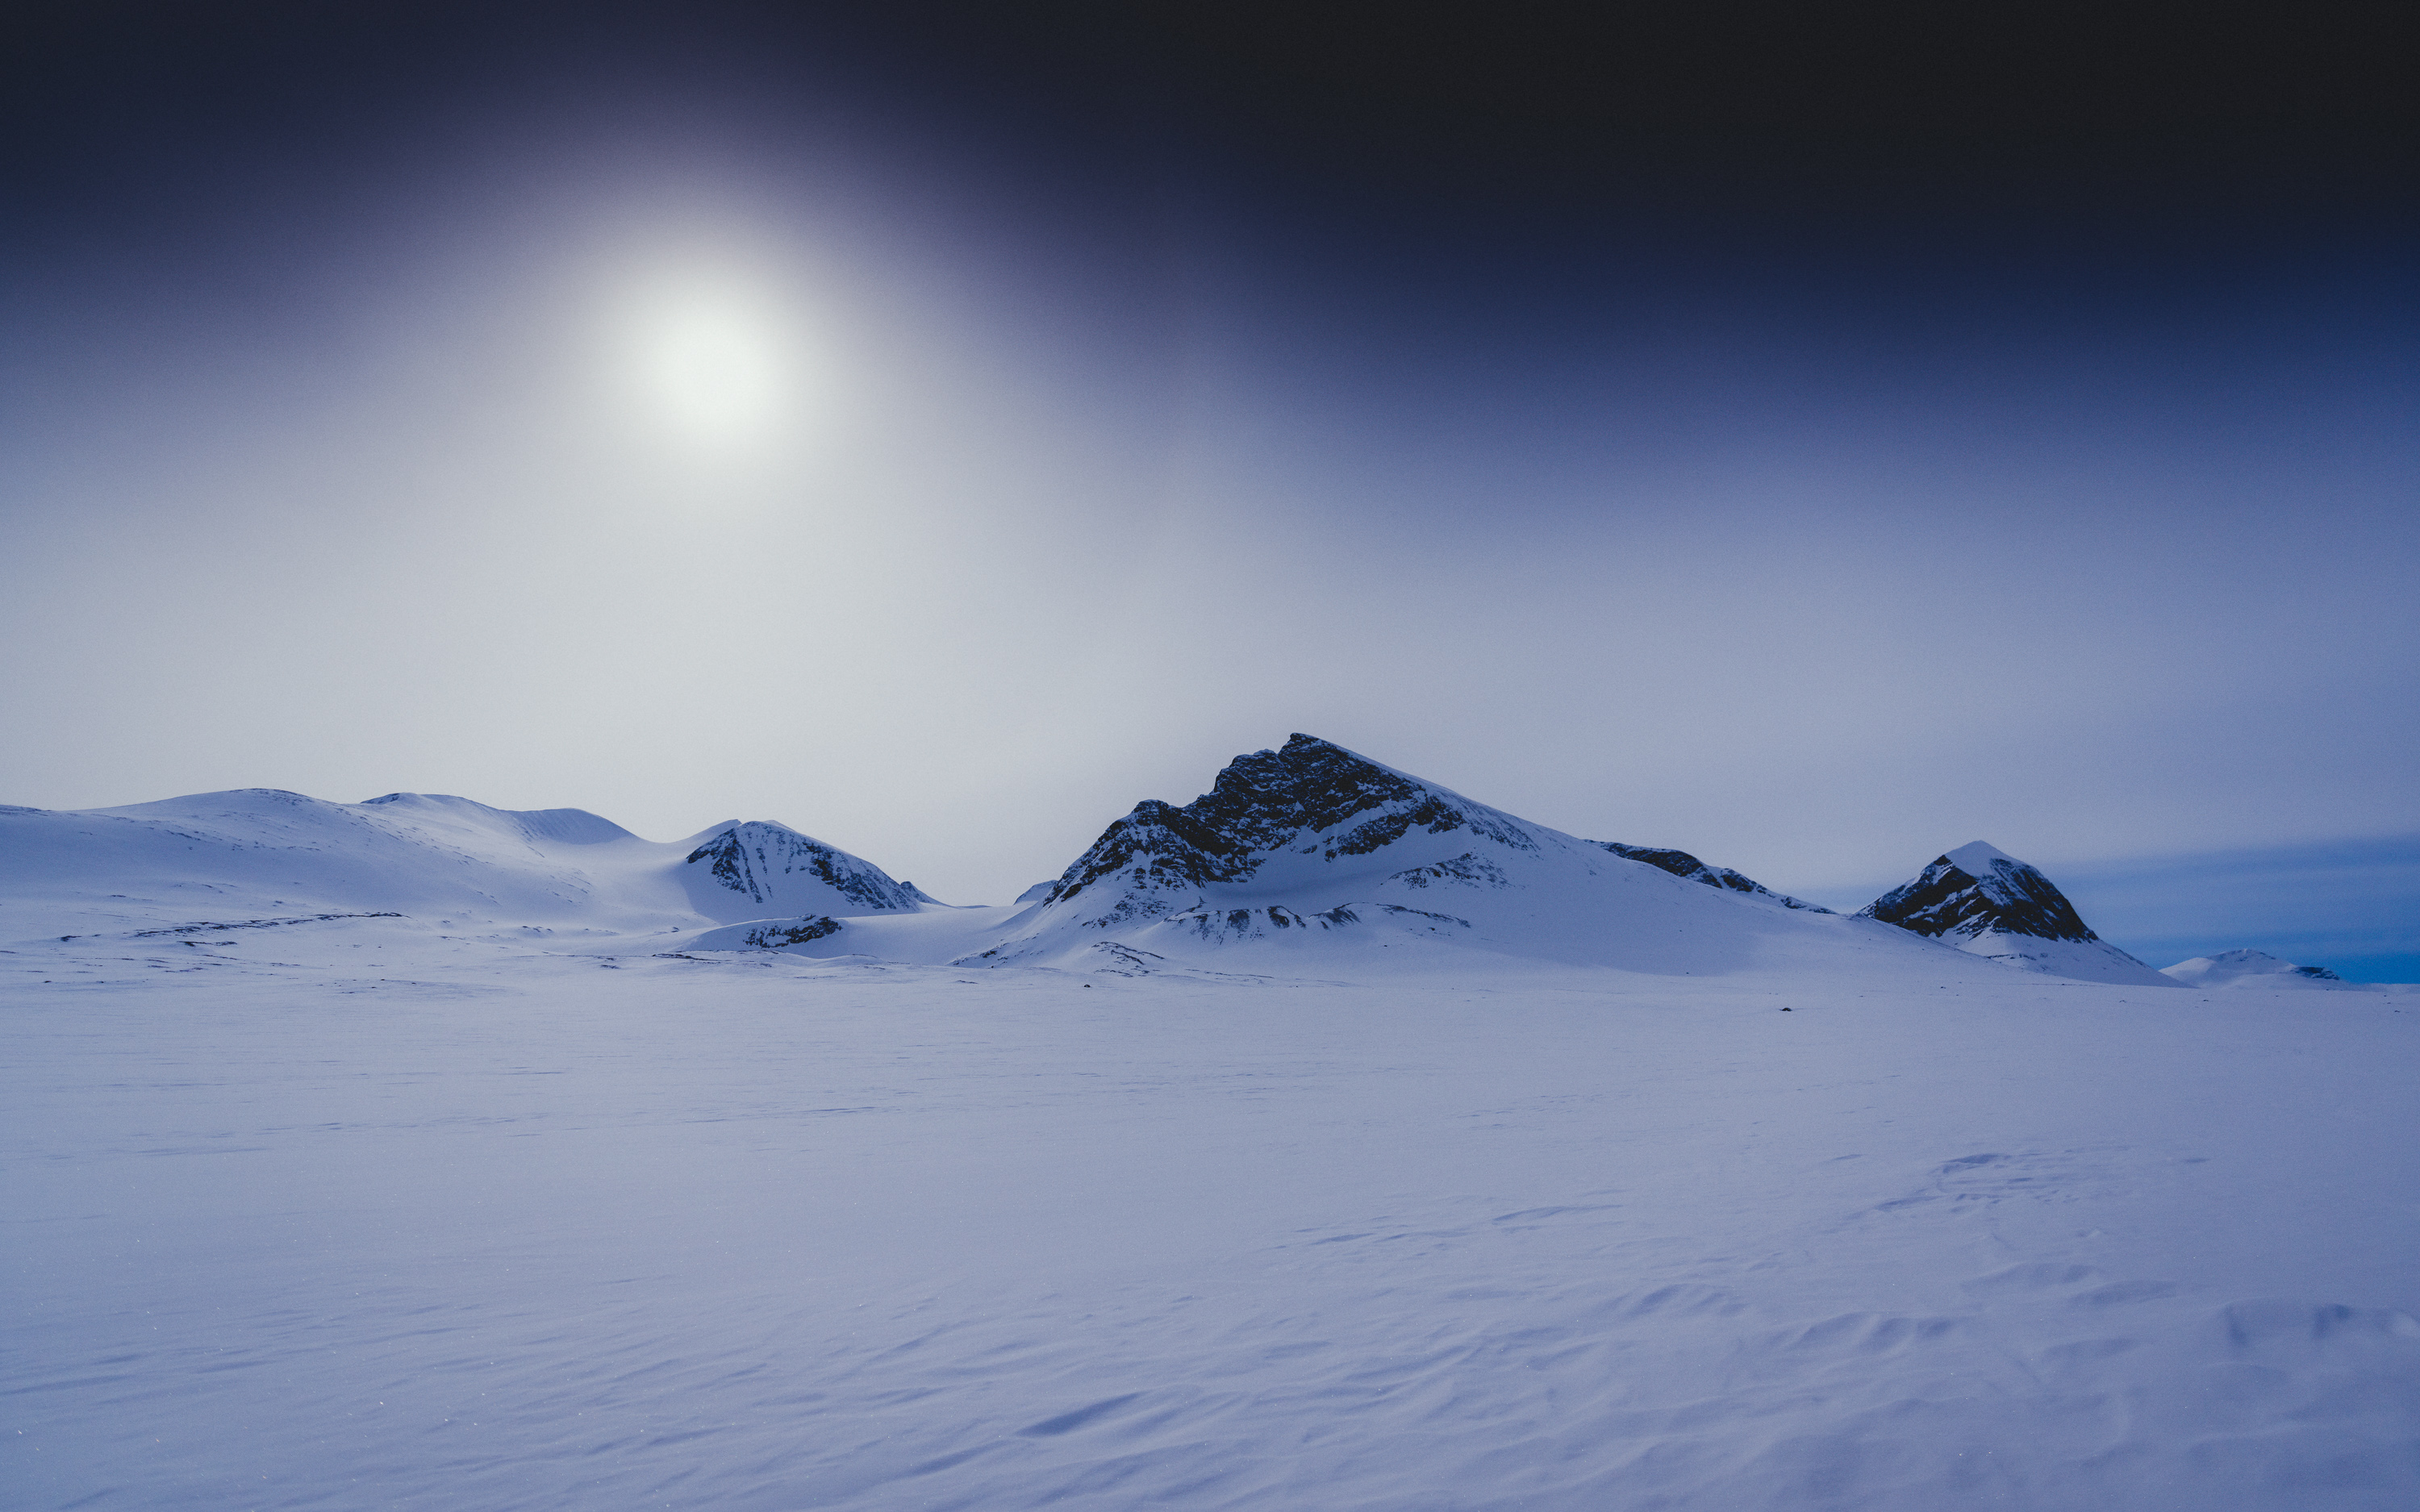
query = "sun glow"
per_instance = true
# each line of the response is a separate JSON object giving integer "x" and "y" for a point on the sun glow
{"x": 716, "y": 358}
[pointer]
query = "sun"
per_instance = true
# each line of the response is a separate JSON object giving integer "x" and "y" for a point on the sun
{"x": 715, "y": 358}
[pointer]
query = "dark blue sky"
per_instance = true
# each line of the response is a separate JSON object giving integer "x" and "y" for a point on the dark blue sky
{"x": 1816, "y": 437}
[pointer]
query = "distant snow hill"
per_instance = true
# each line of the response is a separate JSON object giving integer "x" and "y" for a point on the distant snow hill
{"x": 262, "y": 851}
{"x": 1316, "y": 855}
{"x": 1988, "y": 903}
{"x": 2251, "y": 968}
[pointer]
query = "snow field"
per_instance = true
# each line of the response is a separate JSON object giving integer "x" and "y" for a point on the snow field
{"x": 354, "y": 1214}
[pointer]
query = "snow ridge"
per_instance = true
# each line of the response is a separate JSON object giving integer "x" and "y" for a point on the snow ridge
{"x": 565, "y": 827}
{"x": 1681, "y": 864}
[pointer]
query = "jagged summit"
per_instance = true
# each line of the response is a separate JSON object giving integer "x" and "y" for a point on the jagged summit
{"x": 1986, "y": 902}
{"x": 1312, "y": 842}
{"x": 1260, "y": 806}
{"x": 1310, "y": 785}
{"x": 1977, "y": 888}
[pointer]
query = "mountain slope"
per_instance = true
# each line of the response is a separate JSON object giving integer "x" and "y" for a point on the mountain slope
{"x": 1312, "y": 848}
{"x": 757, "y": 870}
{"x": 261, "y": 851}
{"x": 1988, "y": 903}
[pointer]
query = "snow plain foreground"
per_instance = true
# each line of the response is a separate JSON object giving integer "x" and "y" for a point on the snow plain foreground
{"x": 359, "y": 1214}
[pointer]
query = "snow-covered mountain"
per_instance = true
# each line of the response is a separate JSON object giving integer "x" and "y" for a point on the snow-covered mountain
{"x": 2253, "y": 969}
{"x": 1986, "y": 902}
{"x": 1309, "y": 858}
{"x": 757, "y": 870}
{"x": 265, "y": 852}
{"x": 1313, "y": 848}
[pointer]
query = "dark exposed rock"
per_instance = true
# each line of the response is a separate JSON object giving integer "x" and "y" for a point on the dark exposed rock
{"x": 747, "y": 858}
{"x": 1161, "y": 844}
{"x": 1681, "y": 864}
{"x": 1232, "y": 924}
{"x": 1950, "y": 899}
{"x": 1262, "y": 800}
{"x": 1468, "y": 869}
{"x": 1399, "y": 911}
{"x": 1262, "y": 803}
{"x": 773, "y": 936}
{"x": 257, "y": 923}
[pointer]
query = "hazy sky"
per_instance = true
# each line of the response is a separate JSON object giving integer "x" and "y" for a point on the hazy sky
{"x": 1814, "y": 442}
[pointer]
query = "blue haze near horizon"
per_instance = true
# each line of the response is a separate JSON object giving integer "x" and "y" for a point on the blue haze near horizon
{"x": 2352, "y": 906}
{"x": 1805, "y": 525}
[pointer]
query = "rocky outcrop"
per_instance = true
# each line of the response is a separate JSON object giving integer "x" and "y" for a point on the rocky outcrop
{"x": 756, "y": 861}
{"x": 1308, "y": 797}
{"x": 1975, "y": 889}
{"x": 1311, "y": 843}
{"x": 772, "y": 936}
{"x": 1987, "y": 903}
{"x": 1681, "y": 864}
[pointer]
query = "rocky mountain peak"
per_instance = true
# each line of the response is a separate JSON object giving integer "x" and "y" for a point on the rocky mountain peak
{"x": 755, "y": 858}
{"x": 1309, "y": 789}
{"x": 1162, "y": 846}
{"x": 1262, "y": 800}
{"x": 1977, "y": 888}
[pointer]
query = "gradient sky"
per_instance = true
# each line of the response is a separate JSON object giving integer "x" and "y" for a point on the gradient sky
{"x": 1812, "y": 439}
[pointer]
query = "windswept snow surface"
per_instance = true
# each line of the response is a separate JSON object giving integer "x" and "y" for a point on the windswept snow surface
{"x": 360, "y": 1213}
